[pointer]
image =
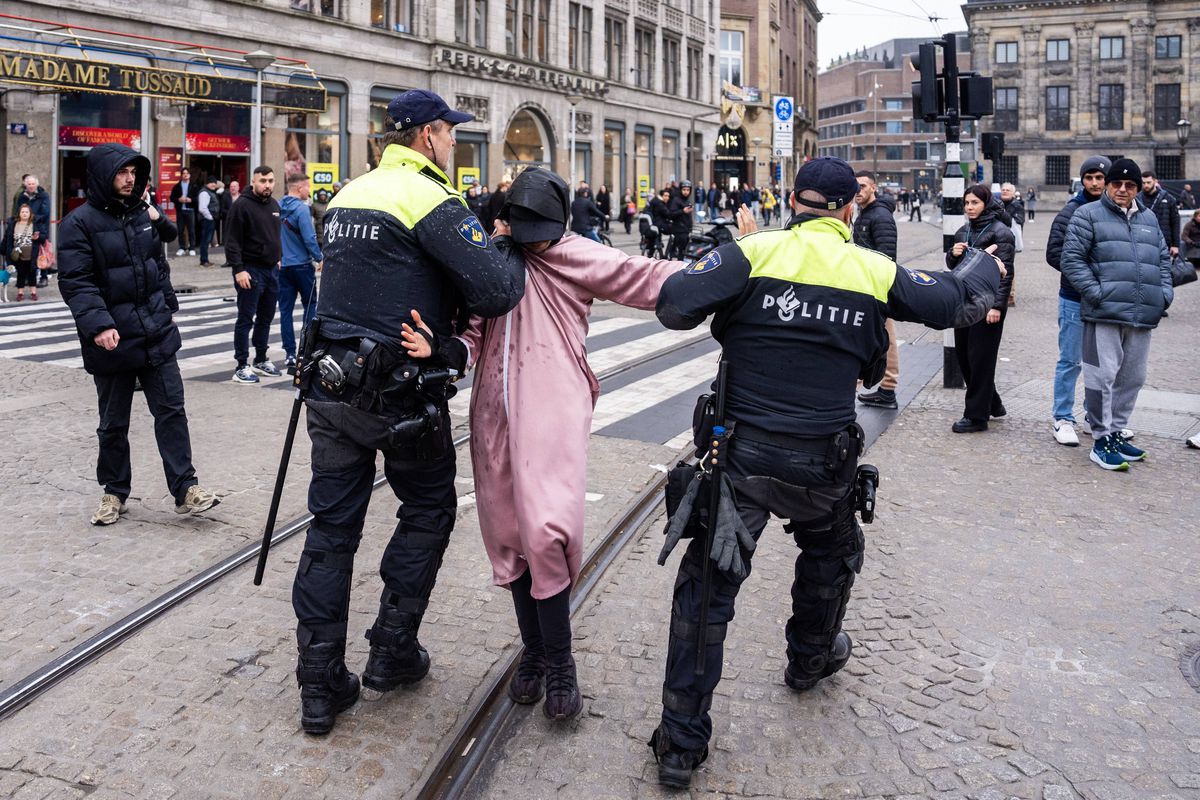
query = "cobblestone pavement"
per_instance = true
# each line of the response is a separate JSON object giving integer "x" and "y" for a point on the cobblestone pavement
{"x": 1019, "y": 623}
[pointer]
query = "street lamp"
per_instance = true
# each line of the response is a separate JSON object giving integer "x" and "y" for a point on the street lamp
{"x": 1183, "y": 129}
{"x": 874, "y": 95}
{"x": 574, "y": 100}
{"x": 757, "y": 140}
{"x": 259, "y": 60}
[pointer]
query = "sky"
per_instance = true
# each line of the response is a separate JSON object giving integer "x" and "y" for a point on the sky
{"x": 851, "y": 24}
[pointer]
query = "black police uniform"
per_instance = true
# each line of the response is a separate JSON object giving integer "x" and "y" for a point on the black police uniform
{"x": 800, "y": 314}
{"x": 397, "y": 238}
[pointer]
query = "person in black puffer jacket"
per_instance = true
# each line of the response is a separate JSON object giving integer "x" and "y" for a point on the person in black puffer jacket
{"x": 117, "y": 283}
{"x": 876, "y": 224}
{"x": 978, "y": 346}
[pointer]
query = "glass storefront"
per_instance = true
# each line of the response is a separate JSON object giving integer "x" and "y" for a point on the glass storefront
{"x": 318, "y": 137}
{"x": 526, "y": 144}
{"x": 643, "y": 161}
{"x": 470, "y": 156}
{"x": 87, "y": 119}
{"x": 614, "y": 158}
{"x": 218, "y": 142}
{"x": 378, "y": 122}
{"x": 670, "y": 158}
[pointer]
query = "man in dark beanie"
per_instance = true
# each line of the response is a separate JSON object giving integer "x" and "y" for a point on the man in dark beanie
{"x": 1070, "y": 326}
{"x": 115, "y": 279}
{"x": 1115, "y": 256}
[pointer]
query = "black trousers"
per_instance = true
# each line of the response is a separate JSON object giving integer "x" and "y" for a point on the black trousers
{"x": 977, "y": 348}
{"x": 831, "y": 554}
{"x": 679, "y": 243}
{"x": 163, "y": 388}
{"x": 345, "y": 441}
{"x": 187, "y": 229}
{"x": 256, "y": 310}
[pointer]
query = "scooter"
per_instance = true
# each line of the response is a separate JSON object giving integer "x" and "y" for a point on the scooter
{"x": 720, "y": 231}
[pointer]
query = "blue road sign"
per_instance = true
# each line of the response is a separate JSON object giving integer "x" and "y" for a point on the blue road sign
{"x": 783, "y": 109}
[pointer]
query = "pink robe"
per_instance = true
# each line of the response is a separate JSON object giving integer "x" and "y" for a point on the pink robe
{"x": 532, "y": 403}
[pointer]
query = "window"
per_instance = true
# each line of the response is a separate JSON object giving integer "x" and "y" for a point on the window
{"x": 1166, "y": 167}
{"x": 893, "y": 126}
{"x": 893, "y": 152}
{"x": 860, "y": 154}
{"x": 378, "y": 122}
{"x": 1112, "y": 48}
{"x": 893, "y": 105}
{"x": 1058, "y": 170}
{"x": 1112, "y": 106}
{"x": 327, "y": 8}
{"x": 1008, "y": 114}
{"x": 1006, "y": 52}
{"x": 543, "y": 29}
{"x": 1005, "y": 169}
{"x": 1058, "y": 50}
{"x": 643, "y": 58}
{"x": 470, "y": 22}
{"x": 579, "y": 37}
{"x": 670, "y": 65}
{"x": 731, "y": 57}
{"x": 317, "y": 136}
{"x": 921, "y": 151}
{"x": 510, "y": 27}
{"x": 1166, "y": 106}
{"x": 614, "y": 49}
{"x": 1058, "y": 108}
{"x": 1168, "y": 46}
{"x": 695, "y": 59}
{"x": 522, "y": 32}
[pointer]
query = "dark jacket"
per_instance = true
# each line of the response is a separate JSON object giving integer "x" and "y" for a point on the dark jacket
{"x": 193, "y": 192}
{"x": 1058, "y": 234}
{"x": 875, "y": 227}
{"x": 112, "y": 271}
{"x": 983, "y": 232}
{"x": 1165, "y": 208}
{"x": 491, "y": 210}
{"x": 680, "y": 219}
{"x": 39, "y": 205}
{"x": 1015, "y": 210}
{"x": 604, "y": 203}
{"x": 657, "y": 210}
{"x": 584, "y": 214}
{"x": 1120, "y": 266}
{"x": 252, "y": 233}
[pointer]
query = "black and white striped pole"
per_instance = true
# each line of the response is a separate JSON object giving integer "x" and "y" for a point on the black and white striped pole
{"x": 953, "y": 186}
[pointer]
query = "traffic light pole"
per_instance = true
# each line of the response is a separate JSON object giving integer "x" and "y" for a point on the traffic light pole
{"x": 953, "y": 188}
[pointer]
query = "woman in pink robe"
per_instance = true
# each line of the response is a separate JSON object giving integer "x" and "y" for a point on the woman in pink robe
{"x": 531, "y": 415}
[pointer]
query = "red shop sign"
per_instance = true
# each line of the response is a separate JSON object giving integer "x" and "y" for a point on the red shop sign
{"x": 217, "y": 143}
{"x": 170, "y": 167}
{"x": 75, "y": 136}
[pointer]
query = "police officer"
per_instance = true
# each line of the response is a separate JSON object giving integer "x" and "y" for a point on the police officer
{"x": 800, "y": 314}
{"x": 398, "y": 238}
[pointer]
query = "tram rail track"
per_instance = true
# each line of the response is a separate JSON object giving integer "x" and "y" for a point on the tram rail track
{"x": 25, "y": 690}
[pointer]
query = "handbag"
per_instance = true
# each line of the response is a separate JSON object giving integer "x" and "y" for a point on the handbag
{"x": 1018, "y": 237}
{"x": 46, "y": 260}
{"x": 1182, "y": 271}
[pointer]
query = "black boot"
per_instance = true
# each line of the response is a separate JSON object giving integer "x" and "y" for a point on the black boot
{"x": 675, "y": 765}
{"x": 396, "y": 657}
{"x": 527, "y": 684}
{"x": 839, "y": 656}
{"x": 563, "y": 700}
{"x": 326, "y": 686}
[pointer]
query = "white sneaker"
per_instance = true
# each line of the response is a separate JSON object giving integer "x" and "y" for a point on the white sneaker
{"x": 1126, "y": 433}
{"x": 179, "y": 252}
{"x": 1064, "y": 433}
{"x": 1194, "y": 441}
{"x": 191, "y": 252}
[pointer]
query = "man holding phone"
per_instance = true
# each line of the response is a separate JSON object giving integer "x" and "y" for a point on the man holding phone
{"x": 253, "y": 251}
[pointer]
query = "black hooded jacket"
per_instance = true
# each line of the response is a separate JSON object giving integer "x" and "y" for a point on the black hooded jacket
{"x": 875, "y": 227}
{"x": 112, "y": 271}
{"x": 988, "y": 229}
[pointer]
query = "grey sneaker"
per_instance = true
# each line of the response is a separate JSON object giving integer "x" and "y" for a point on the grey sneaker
{"x": 196, "y": 501}
{"x": 245, "y": 375}
{"x": 110, "y": 510}
{"x": 267, "y": 368}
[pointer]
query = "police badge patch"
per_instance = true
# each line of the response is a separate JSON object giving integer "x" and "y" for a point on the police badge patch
{"x": 920, "y": 278}
{"x": 472, "y": 231}
{"x": 706, "y": 264}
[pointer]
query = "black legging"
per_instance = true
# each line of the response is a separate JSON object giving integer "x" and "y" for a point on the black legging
{"x": 26, "y": 273}
{"x": 977, "y": 349}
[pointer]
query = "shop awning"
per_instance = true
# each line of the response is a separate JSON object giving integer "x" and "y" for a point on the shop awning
{"x": 76, "y": 58}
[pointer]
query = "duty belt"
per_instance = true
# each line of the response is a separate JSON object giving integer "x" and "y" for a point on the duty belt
{"x": 837, "y": 448}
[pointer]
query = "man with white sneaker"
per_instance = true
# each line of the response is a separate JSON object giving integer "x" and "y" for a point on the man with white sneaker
{"x": 1115, "y": 256}
{"x": 253, "y": 250}
{"x": 1070, "y": 326}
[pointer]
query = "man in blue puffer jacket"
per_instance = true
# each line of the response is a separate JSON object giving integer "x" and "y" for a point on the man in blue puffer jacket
{"x": 298, "y": 275}
{"x": 1116, "y": 258}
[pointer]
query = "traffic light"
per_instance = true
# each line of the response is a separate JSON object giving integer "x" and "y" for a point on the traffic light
{"x": 975, "y": 96}
{"x": 928, "y": 102}
{"x": 992, "y": 145}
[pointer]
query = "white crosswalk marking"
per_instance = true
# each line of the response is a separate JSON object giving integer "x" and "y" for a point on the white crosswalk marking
{"x": 629, "y": 400}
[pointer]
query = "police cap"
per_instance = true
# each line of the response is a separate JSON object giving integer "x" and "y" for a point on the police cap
{"x": 420, "y": 107}
{"x": 831, "y": 177}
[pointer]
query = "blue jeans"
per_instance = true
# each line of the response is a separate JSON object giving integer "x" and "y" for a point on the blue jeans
{"x": 591, "y": 234}
{"x": 1070, "y": 358}
{"x": 207, "y": 226}
{"x": 298, "y": 279}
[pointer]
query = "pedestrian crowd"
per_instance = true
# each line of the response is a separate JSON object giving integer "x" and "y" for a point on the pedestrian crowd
{"x": 422, "y": 282}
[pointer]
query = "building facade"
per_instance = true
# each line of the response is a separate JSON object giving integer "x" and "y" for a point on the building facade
{"x": 638, "y": 75}
{"x": 1074, "y": 78}
{"x": 766, "y": 48}
{"x": 866, "y": 118}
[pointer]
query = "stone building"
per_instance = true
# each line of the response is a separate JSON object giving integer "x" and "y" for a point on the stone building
{"x": 865, "y": 116}
{"x": 767, "y": 48}
{"x": 1073, "y": 78}
{"x": 170, "y": 80}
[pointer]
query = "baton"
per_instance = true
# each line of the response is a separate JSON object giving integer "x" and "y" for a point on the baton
{"x": 714, "y": 504}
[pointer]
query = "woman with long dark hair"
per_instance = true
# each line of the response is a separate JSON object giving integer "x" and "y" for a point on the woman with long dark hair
{"x": 978, "y": 346}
